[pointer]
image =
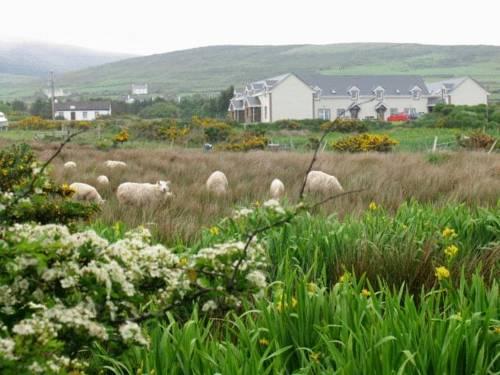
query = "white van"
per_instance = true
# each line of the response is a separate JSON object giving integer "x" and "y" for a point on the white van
{"x": 4, "y": 123}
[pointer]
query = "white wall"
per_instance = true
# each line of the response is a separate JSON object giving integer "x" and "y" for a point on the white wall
{"x": 368, "y": 107}
{"x": 468, "y": 93}
{"x": 291, "y": 99}
{"x": 79, "y": 115}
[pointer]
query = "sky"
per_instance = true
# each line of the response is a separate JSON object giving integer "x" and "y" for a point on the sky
{"x": 156, "y": 26}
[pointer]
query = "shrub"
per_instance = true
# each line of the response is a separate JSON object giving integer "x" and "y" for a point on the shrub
{"x": 365, "y": 142}
{"x": 27, "y": 193}
{"x": 38, "y": 123}
{"x": 160, "y": 110}
{"x": 288, "y": 124}
{"x": 246, "y": 142}
{"x": 121, "y": 137}
{"x": 476, "y": 140}
{"x": 345, "y": 126}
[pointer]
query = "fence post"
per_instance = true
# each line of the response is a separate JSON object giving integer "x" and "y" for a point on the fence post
{"x": 434, "y": 146}
{"x": 492, "y": 147}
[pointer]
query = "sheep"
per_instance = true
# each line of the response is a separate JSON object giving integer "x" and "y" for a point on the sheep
{"x": 217, "y": 183}
{"x": 112, "y": 164}
{"x": 69, "y": 166}
{"x": 320, "y": 182}
{"x": 85, "y": 192}
{"x": 103, "y": 181}
{"x": 277, "y": 189}
{"x": 141, "y": 194}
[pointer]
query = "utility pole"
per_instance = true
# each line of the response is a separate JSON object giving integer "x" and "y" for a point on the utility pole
{"x": 52, "y": 94}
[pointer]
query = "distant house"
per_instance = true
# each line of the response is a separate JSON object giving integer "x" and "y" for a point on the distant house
{"x": 82, "y": 111}
{"x": 139, "y": 89}
{"x": 58, "y": 93}
{"x": 458, "y": 91}
{"x": 290, "y": 96}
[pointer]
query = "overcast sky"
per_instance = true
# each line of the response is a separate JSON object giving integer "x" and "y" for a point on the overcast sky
{"x": 155, "y": 26}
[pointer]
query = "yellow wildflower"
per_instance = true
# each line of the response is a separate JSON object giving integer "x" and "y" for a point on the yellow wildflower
{"x": 315, "y": 356}
{"x": 451, "y": 251}
{"x": 366, "y": 293}
{"x": 312, "y": 287}
{"x": 183, "y": 262}
{"x": 373, "y": 206}
{"x": 264, "y": 342}
{"x": 449, "y": 233}
{"x": 257, "y": 203}
{"x": 214, "y": 231}
{"x": 294, "y": 302}
{"x": 442, "y": 273}
{"x": 497, "y": 330}
{"x": 346, "y": 277}
{"x": 67, "y": 190}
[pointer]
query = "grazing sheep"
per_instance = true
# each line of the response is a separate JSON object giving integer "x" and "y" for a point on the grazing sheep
{"x": 320, "y": 182}
{"x": 69, "y": 166}
{"x": 103, "y": 181}
{"x": 217, "y": 183}
{"x": 277, "y": 189}
{"x": 85, "y": 192}
{"x": 112, "y": 164}
{"x": 141, "y": 194}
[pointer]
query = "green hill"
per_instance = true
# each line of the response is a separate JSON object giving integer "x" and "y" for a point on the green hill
{"x": 213, "y": 68}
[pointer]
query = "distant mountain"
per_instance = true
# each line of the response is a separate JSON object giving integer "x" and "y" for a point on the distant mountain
{"x": 37, "y": 59}
{"x": 217, "y": 67}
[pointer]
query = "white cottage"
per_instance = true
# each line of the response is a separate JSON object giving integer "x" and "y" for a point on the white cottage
{"x": 82, "y": 111}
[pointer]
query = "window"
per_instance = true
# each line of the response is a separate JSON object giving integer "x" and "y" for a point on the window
{"x": 394, "y": 111}
{"x": 60, "y": 114}
{"x": 354, "y": 91}
{"x": 324, "y": 114}
{"x": 340, "y": 112}
{"x": 413, "y": 111}
{"x": 96, "y": 114}
{"x": 407, "y": 110}
{"x": 379, "y": 94}
{"x": 84, "y": 115}
{"x": 416, "y": 94}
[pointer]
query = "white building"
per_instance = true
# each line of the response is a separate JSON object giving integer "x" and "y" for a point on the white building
{"x": 139, "y": 89}
{"x": 458, "y": 91}
{"x": 82, "y": 111}
{"x": 290, "y": 96}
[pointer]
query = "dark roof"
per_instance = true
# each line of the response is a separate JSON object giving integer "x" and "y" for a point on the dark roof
{"x": 83, "y": 106}
{"x": 340, "y": 85}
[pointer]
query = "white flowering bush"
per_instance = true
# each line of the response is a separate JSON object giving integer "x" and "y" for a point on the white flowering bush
{"x": 60, "y": 291}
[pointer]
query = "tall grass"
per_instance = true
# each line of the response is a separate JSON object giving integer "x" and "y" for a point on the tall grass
{"x": 390, "y": 180}
{"x": 351, "y": 329}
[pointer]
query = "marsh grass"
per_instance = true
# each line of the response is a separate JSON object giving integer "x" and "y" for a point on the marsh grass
{"x": 389, "y": 179}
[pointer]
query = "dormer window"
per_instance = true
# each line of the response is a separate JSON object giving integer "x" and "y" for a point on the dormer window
{"x": 415, "y": 92}
{"x": 354, "y": 91}
{"x": 333, "y": 91}
{"x": 379, "y": 93}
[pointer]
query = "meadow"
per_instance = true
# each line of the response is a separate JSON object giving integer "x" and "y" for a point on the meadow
{"x": 400, "y": 278}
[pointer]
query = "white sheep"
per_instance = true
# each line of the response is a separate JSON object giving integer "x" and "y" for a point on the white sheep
{"x": 69, "y": 166}
{"x": 141, "y": 194}
{"x": 277, "y": 189}
{"x": 85, "y": 192}
{"x": 321, "y": 182}
{"x": 103, "y": 181}
{"x": 112, "y": 164}
{"x": 217, "y": 183}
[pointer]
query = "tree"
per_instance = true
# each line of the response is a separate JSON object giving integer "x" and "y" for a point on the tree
{"x": 18, "y": 106}
{"x": 41, "y": 108}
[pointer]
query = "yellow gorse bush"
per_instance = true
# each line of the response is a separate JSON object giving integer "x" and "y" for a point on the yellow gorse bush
{"x": 121, "y": 137}
{"x": 364, "y": 142}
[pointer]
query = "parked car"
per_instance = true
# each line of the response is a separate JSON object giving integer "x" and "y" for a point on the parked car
{"x": 398, "y": 117}
{"x": 4, "y": 123}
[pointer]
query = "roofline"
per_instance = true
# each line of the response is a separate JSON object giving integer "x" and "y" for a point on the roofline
{"x": 473, "y": 80}
{"x": 288, "y": 75}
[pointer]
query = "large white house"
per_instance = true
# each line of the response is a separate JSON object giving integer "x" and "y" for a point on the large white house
{"x": 290, "y": 96}
{"x": 458, "y": 91}
{"x": 82, "y": 111}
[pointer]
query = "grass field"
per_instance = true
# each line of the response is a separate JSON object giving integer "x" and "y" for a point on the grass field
{"x": 401, "y": 278}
